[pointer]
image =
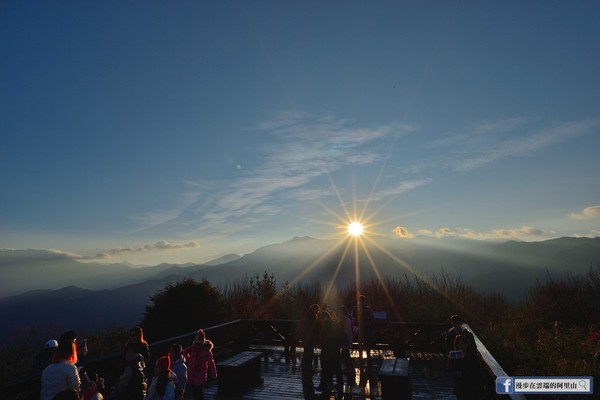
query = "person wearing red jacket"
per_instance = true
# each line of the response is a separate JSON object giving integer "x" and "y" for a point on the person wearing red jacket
{"x": 200, "y": 363}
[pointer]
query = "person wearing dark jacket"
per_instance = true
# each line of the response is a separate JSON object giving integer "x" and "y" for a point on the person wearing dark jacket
{"x": 132, "y": 384}
{"x": 465, "y": 368}
{"x": 331, "y": 339}
{"x": 139, "y": 344}
{"x": 309, "y": 332}
{"x": 457, "y": 328}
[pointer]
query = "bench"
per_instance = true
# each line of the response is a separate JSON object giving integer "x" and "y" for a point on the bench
{"x": 239, "y": 372}
{"x": 394, "y": 379}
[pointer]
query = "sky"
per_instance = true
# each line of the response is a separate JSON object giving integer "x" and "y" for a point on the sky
{"x": 154, "y": 132}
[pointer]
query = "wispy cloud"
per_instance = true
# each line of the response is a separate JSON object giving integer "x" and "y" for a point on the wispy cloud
{"x": 489, "y": 141}
{"x": 587, "y": 213}
{"x": 158, "y": 246}
{"x": 400, "y": 188}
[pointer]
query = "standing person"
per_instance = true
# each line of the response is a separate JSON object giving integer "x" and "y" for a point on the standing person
{"x": 363, "y": 317}
{"x": 139, "y": 344}
{"x": 200, "y": 363}
{"x": 465, "y": 368}
{"x": 348, "y": 328}
{"x": 179, "y": 368}
{"x": 61, "y": 377}
{"x": 162, "y": 387}
{"x": 310, "y": 337}
{"x": 330, "y": 339}
{"x": 457, "y": 328}
{"x": 132, "y": 384}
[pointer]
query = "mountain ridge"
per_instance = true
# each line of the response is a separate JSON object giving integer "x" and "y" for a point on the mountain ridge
{"x": 508, "y": 267}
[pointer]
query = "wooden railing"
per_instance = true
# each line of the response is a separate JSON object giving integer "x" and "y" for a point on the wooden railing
{"x": 493, "y": 370}
{"x": 239, "y": 335}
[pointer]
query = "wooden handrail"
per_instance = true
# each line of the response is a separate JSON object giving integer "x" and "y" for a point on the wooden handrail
{"x": 494, "y": 369}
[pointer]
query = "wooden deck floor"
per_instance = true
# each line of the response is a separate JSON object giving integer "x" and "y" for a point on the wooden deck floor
{"x": 281, "y": 380}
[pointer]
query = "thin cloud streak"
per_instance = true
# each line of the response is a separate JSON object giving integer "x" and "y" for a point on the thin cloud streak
{"x": 494, "y": 150}
{"x": 400, "y": 188}
{"x": 158, "y": 246}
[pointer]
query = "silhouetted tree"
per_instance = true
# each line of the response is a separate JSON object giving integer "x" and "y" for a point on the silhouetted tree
{"x": 181, "y": 308}
{"x": 264, "y": 291}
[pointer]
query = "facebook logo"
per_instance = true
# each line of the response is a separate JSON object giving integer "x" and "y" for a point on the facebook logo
{"x": 504, "y": 385}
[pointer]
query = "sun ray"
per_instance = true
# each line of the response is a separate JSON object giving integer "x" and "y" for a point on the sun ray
{"x": 381, "y": 280}
{"x": 317, "y": 261}
{"x": 417, "y": 274}
{"x": 337, "y": 271}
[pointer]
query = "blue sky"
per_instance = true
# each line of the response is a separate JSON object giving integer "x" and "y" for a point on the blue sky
{"x": 181, "y": 131}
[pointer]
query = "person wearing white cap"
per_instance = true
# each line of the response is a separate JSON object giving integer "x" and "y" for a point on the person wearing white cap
{"x": 61, "y": 377}
{"x": 42, "y": 360}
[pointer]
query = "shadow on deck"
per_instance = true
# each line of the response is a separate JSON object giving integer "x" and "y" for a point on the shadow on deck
{"x": 282, "y": 380}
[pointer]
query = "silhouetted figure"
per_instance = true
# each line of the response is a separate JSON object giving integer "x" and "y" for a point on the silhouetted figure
{"x": 310, "y": 337}
{"x": 61, "y": 375}
{"x": 201, "y": 365}
{"x": 139, "y": 344}
{"x": 40, "y": 362}
{"x": 132, "y": 384}
{"x": 162, "y": 387}
{"x": 457, "y": 328}
{"x": 363, "y": 318}
{"x": 465, "y": 368}
{"x": 330, "y": 339}
{"x": 345, "y": 358}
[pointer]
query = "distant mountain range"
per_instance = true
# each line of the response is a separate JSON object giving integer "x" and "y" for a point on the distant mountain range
{"x": 45, "y": 289}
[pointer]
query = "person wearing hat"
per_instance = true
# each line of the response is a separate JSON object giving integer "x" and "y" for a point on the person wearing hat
{"x": 162, "y": 387}
{"x": 41, "y": 361}
{"x": 61, "y": 377}
{"x": 201, "y": 364}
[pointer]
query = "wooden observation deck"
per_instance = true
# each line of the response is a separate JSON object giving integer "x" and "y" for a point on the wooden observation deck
{"x": 280, "y": 367}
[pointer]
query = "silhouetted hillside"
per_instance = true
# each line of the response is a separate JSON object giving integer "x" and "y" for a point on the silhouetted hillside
{"x": 79, "y": 309}
{"x": 26, "y": 270}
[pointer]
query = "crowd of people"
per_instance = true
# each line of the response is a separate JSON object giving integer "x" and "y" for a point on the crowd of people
{"x": 186, "y": 370}
{"x": 179, "y": 371}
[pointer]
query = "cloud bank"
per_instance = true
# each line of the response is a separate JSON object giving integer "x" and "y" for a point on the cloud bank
{"x": 587, "y": 213}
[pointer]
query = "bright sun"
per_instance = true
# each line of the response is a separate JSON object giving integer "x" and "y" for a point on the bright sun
{"x": 355, "y": 229}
